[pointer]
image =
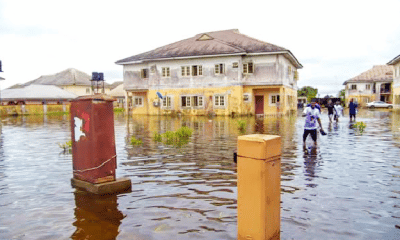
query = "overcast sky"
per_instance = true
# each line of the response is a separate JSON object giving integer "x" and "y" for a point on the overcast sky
{"x": 333, "y": 41}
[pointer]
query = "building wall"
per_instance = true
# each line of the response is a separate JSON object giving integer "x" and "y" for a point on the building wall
{"x": 81, "y": 90}
{"x": 364, "y": 95}
{"x": 273, "y": 74}
{"x": 396, "y": 86}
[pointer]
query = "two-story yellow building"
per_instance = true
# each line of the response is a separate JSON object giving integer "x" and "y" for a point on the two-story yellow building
{"x": 395, "y": 62}
{"x": 222, "y": 73}
{"x": 372, "y": 85}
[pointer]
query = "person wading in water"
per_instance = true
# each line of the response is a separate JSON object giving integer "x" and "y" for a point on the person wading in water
{"x": 312, "y": 115}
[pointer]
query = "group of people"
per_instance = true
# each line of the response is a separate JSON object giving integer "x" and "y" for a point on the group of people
{"x": 313, "y": 115}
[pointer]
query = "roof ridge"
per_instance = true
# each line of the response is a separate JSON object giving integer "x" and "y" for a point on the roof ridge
{"x": 261, "y": 41}
{"x": 231, "y": 30}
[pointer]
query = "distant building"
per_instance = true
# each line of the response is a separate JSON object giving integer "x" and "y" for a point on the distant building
{"x": 395, "y": 62}
{"x": 372, "y": 85}
{"x": 120, "y": 94}
{"x": 71, "y": 80}
{"x": 36, "y": 94}
{"x": 222, "y": 73}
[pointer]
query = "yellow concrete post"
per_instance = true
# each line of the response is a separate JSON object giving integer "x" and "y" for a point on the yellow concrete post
{"x": 258, "y": 183}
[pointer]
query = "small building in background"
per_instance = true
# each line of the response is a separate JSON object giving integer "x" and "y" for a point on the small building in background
{"x": 372, "y": 85}
{"x": 395, "y": 62}
{"x": 119, "y": 93}
{"x": 71, "y": 80}
{"x": 36, "y": 94}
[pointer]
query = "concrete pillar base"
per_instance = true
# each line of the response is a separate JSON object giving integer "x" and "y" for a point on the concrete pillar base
{"x": 120, "y": 185}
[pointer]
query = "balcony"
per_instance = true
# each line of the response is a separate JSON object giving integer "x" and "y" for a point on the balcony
{"x": 385, "y": 91}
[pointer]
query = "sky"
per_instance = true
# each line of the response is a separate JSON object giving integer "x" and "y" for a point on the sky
{"x": 333, "y": 40}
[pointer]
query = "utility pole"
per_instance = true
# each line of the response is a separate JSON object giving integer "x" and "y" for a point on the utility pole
{"x": 1, "y": 79}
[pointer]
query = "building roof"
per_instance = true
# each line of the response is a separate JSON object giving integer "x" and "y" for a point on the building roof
{"x": 394, "y": 61}
{"x": 37, "y": 92}
{"x": 378, "y": 73}
{"x": 227, "y": 42}
{"x": 115, "y": 84}
{"x": 118, "y": 91}
{"x": 70, "y": 76}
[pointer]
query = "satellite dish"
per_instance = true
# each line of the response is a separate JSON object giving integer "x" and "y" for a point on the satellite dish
{"x": 160, "y": 95}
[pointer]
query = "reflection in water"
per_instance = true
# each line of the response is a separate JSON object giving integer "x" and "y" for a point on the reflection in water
{"x": 310, "y": 163}
{"x": 346, "y": 189}
{"x": 97, "y": 217}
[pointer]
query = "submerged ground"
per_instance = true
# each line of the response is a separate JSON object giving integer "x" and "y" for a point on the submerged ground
{"x": 347, "y": 189}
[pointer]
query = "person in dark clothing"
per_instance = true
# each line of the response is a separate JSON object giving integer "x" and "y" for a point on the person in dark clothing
{"x": 330, "y": 107}
{"x": 352, "y": 110}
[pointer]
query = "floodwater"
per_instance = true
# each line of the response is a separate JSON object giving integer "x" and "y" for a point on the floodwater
{"x": 347, "y": 188}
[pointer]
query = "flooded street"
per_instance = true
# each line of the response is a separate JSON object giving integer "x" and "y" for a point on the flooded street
{"x": 347, "y": 189}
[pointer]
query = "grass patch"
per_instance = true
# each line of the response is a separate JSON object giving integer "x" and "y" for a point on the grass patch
{"x": 135, "y": 141}
{"x": 178, "y": 138}
{"x": 67, "y": 147}
{"x": 241, "y": 124}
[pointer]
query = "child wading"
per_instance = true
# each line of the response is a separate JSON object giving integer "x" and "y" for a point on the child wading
{"x": 312, "y": 115}
{"x": 330, "y": 107}
{"x": 338, "y": 111}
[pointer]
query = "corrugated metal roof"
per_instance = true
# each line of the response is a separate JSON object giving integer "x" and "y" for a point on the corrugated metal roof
{"x": 33, "y": 92}
{"x": 394, "y": 60}
{"x": 227, "y": 42}
{"x": 70, "y": 76}
{"x": 118, "y": 91}
{"x": 377, "y": 73}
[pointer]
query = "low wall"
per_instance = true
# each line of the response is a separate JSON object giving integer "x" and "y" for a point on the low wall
{"x": 38, "y": 109}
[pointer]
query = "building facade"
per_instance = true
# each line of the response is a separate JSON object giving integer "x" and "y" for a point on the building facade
{"x": 395, "y": 62}
{"x": 372, "y": 85}
{"x": 221, "y": 73}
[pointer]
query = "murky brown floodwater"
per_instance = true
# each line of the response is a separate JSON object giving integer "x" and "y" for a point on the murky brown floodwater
{"x": 347, "y": 189}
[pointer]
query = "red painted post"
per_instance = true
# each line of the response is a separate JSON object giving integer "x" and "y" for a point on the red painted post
{"x": 93, "y": 142}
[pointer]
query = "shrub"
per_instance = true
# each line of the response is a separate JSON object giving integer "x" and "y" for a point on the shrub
{"x": 135, "y": 141}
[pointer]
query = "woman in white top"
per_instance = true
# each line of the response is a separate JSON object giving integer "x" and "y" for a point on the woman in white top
{"x": 338, "y": 111}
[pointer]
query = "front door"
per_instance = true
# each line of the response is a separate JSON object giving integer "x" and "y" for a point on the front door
{"x": 259, "y": 104}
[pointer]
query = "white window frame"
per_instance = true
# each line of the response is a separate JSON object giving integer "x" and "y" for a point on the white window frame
{"x": 367, "y": 86}
{"x": 185, "y": 71}
{"x": 273, "y": 99}
{"x": 199, "y": 70}
{"x": 351, "y": 87}
{"x": 248, "y": 96}
{"x": 217, "y": 101}
{"x": 219, "y": 69}
{"x": 246, "y": 68}
{"x": 164, "y": 103}
{"x": 165, "y": 72}
{"x": 138, "y": 98}
{"x": 190, "y": 101}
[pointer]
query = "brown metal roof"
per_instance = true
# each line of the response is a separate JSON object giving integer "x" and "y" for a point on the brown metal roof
{"x": 381, "y": 73}
{"x": 394, "y": 60}
{"x": 227, "y": 42}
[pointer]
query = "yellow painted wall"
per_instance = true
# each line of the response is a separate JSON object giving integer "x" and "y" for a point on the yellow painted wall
{"x": 288, "y": 99}
{"x": 32, "y": 109}
{"x": 81, "y": 90}
{"x": 234, "y": 98}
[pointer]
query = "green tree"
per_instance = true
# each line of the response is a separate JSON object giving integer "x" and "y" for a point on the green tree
{"x": 342, "y": 95}
{"x": 308, "y": 92}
